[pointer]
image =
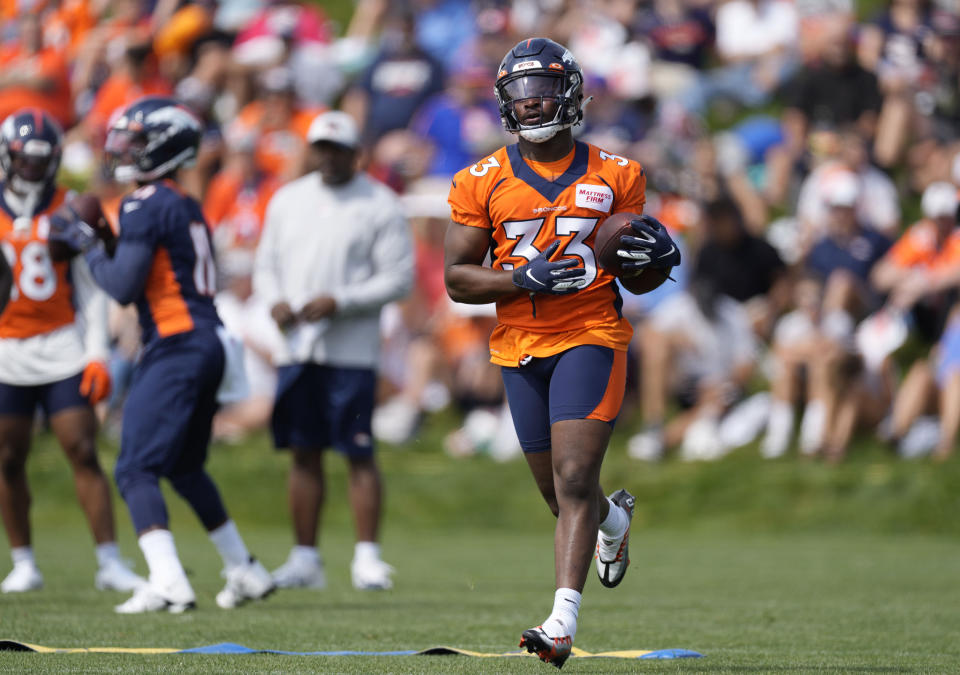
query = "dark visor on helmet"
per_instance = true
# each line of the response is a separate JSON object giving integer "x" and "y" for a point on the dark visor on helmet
{"x": 532, "y": 86}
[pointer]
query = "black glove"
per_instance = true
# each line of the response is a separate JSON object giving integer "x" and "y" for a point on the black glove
{"x": 542, "y": 276}
{"x": 652, "y": 247}
{"x": 67, "y": 228}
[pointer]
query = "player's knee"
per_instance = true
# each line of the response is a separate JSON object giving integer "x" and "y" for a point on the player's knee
{"x": 309, "y": 460}
{"x": 188, "y": 484}
{"x": 573, "y": 480}
{"x": 83, "y": 456}
{"x": 12, "y": 463}
{"x": 127, "y": 479}
{"x": 362, "y": 464}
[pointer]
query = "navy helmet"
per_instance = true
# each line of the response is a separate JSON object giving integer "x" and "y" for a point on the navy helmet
{"x": 151, "y": 138}
{"x": 539, "y": 68}
{"x": 31, "y": 143}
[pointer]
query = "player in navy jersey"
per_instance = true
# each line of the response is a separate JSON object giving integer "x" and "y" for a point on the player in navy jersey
{"x": 163, "y": 263}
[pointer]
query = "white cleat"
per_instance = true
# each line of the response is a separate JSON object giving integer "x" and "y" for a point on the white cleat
{"x": 298, "y": 572}
{"x": 371, "y": 574}
{"x": 22, "y": 578}
{"x": 612, "y": 555}
{"x": 117, "y": 575}
{"x": 246, "y": 582}
{"x": 175, "y": 598}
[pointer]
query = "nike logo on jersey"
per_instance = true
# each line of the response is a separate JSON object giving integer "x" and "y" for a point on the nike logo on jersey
{"x": 670, "y": 252}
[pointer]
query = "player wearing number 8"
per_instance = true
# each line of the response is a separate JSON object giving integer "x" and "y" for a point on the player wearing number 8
{"x": 561, "y": 339}
{"x": 46, "y": 359}
{"x": 163, "y": 263}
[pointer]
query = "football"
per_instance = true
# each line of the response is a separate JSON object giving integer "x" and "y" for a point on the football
{"x": 607, "y": 242}
{"x": 87, "y": 206}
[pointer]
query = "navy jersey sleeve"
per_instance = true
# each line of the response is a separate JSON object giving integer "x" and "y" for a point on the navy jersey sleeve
{"x": 124, "y": 276}
{"x": 140, "y": 219}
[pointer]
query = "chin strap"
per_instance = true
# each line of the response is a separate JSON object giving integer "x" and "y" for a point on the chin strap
{"x": 539, "y": 135}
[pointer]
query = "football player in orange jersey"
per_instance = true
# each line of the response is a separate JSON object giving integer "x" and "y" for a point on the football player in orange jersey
{"x": 561, "y": 339}
{"x": 46, "y": 360}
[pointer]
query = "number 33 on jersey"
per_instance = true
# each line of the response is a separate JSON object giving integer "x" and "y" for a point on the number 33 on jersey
{"x": 525, "y": 213}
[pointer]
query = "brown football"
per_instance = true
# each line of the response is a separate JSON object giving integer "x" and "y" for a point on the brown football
{"x": 606, "y": 244}
{"x": 87, "y": 206}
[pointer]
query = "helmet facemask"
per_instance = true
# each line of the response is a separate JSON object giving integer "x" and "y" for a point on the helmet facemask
{"x": 31, "y": 165}
{"x": 123, "y": 150}
{"x": 536, "y": 104}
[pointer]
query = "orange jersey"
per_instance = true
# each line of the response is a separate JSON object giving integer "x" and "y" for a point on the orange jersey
{"x": 524, "y": 213}
{"x": 235, "y": 210}
{"x": 918, "y": 247}
{"x": 68, "y": 25}
{"x": 278, "y": 148}
{"x": 42, "y": 296}
{"x": 49, "y": 64}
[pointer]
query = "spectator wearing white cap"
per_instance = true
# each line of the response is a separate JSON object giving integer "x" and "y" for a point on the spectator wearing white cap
{"x": 335, "y": 249}
{"x": 846, "y": 244}
{"x": 924, "y": 263}
{"x": 878, "y": 203}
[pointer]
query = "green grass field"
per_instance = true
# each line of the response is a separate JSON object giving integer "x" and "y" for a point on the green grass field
{"x": 766, "y": 567}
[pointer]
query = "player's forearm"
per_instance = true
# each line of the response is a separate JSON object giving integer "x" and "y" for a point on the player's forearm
{"x": 477, "y": 285}
{"x": 945, "y": 279}
{"x": 885, "y": 275}
{"x": 124, "y": 275}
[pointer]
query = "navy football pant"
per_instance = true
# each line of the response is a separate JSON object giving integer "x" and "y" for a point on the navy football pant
{"x": 584, "y": 382}
{"x": 166, "y": 429}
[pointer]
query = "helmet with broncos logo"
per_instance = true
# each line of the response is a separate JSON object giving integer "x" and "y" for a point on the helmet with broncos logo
{"x": 31, "y": 143}
{"x": 151, "y": 138}
{"x": 539, "y": 89}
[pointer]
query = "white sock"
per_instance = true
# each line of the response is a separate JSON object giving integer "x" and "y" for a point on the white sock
{"x": 307, "y": 554}
{"x": 563, "y": 618}
{"x": 107, "y": 552}
{"x": 22, "y": 555}
{"x": 779, "y": 429}
{"x": 230, "y": 545}
{"x": 366, "y": 550}
{"x": 161, "y": 555}
{"x": 616, "y": 522}
{"x": 812, "y": 427}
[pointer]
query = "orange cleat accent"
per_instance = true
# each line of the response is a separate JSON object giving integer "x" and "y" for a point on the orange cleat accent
{"x": 552, "y": 650}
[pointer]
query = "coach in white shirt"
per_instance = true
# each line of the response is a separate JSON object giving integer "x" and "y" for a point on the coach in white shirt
{"x": 335, "y": 249}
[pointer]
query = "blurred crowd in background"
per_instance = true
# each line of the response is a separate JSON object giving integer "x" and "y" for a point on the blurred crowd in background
{"x": 805, "y": 152}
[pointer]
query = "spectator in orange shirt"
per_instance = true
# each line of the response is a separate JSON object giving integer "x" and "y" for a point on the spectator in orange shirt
{"x": 34, "y": 76}
{"x": 280, "y": 125}
{"x": 922, "y": 266}
{"x": 236, "y": 201}
{"x": 136, "y": 77}
{"x": 67, "y": 24}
